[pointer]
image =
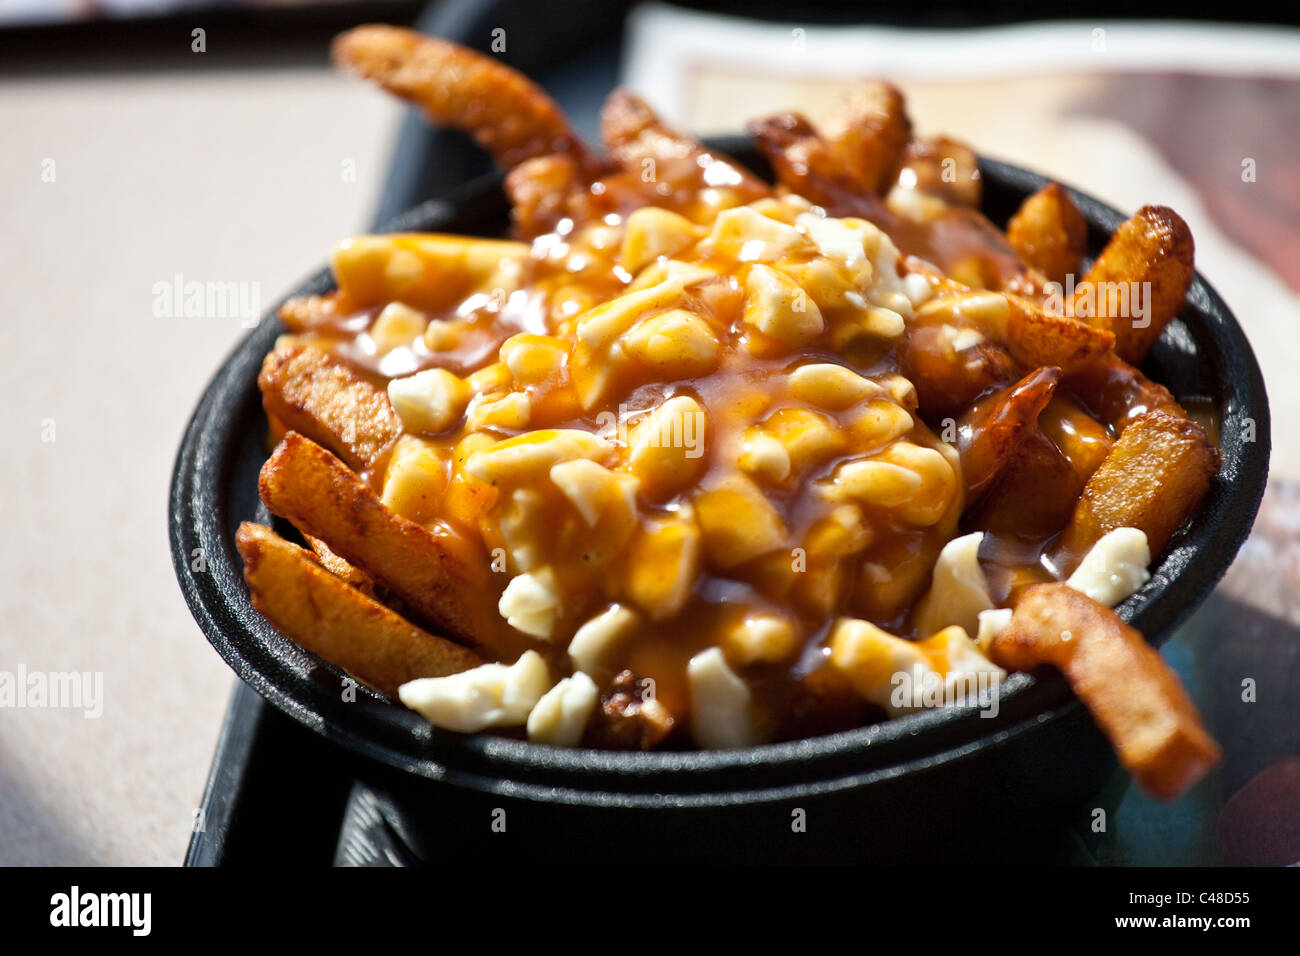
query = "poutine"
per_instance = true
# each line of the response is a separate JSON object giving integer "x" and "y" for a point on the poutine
{"x": 692, "y": 459}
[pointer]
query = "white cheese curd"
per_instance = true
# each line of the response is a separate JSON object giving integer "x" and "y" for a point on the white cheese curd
{"x": 720, "y": 703}
{"x": 882, "y": 668}
{"x": 594, "y": 641}
{"x": 959, "y": 591}
{"x": 992, "y": 623}
{"x": 1114, "y": 568}
{"x": 490, "y": 695}
{"x": 530, "y": 603}
{"x": 561, "y": 716}
{"x": 966, "y": 666}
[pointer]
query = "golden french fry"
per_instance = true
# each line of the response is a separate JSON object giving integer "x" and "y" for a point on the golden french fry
{"x": 542, "y": 192}
{"x": 868, "y": 135}
{"x": 946, "y": 169}
{"x": 341, "y": 569}
{"x": 990, "y": 433}
{"x": 1049, "y": 232}
{"x": 1154, "y": 477}
{"x": 425, "y": 271}
{"x": 441, "y": 577}
{"x": 665, "y": 160}
{"x": 1147, "y": 265}
{"x": 312, "y": 392}
{"x": 803, "y": 164}
{"x": 1036, "y": 338}
{"x": 1135, "y": 698}
{"x": 338, "y": 622}
{"x": 504, "y": 111}
{"x": 305, "y": 312}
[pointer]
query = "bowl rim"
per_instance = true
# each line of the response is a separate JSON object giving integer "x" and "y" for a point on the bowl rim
{"x": 277, "y": 668}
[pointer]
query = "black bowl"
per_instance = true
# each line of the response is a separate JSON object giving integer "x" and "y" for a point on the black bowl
{"x": 934, "y": 784}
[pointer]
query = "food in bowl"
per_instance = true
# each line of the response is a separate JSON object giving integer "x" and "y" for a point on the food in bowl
{"x": 695, "y": 460}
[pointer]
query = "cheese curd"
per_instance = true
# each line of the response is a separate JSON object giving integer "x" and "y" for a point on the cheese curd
{"x": 561, "y": 716}
{"x": 490, "y": 695}
{"x": 1114, "y": 567}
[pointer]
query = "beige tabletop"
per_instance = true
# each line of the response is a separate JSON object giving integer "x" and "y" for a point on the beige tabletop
{"x": 215, "y": 175}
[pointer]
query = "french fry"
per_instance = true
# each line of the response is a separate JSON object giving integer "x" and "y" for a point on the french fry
{"x": 664, "y": 159}
{"x": 804, "y": 164}
{"x": 425, "y": 271}
{"x": 541, "y": 192}
{"x": 311, "y": 392}
{"x": 1134, "y": 697}
{"x": 946, "y": 169}
{"x": 1154, "y": 477}
{"x": 326, "y": 616}
{"x": 434, "y": 574}
{"x": 507, "y": 114}
{"x": 1036, "y": 338}
{"x": 990, "y": 433}
{"x": 335, "y": 565}
{"x": 303, "y": 313}
{"x": 1049, "y": 232}
{"x": 868, "y": 135}
{"x": 1151, "y": 259}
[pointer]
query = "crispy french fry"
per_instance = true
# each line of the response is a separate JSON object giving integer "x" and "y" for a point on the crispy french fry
{"x": 542, "y": 192}
{"x": 1149, "y": 261}
{"x": 1154, "y": 477}
{"x": 665, "y": 160}
{"x": 945, "y": 168}
{"x": 312, "y": 392}
{"x": 990, "y": 433}
{"x": 868, "y": 135}
{"x": 504, "y": 111}
{"x": 1135, "y": 698}
{"x": 330, "y": 618}
{"x": 305, "y": 312}
{"x": 436, "y": 575}
{"x": 425, "y": 271}
{"x": 1049, "y": 232}
{"x": 1036, "y": 338}
{"x": 341, "y": 569}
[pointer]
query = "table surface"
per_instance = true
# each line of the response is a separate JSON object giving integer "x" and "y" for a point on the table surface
{"x": 248, "y": 176}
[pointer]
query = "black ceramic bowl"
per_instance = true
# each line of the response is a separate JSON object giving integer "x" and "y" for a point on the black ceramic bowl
{"x": 936, "y": 784}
